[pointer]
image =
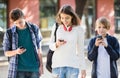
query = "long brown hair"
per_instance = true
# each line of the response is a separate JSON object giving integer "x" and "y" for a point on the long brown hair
{"x": 67, "y": 9}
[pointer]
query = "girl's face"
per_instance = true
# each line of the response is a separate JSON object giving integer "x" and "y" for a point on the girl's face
{"x": 101, "y": 29}
{"x": 66, "y": 19}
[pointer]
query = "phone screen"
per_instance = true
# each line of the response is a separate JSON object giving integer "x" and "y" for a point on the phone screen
{"x": 21, "y": 47}
{"x": 61, "y": 40}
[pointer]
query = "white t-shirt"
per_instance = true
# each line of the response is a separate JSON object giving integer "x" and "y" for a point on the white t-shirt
{"x": 103, "y": 62}
{"x": 70, "y": 54}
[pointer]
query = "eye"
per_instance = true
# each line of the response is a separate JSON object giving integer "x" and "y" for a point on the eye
{"x": 20, "y": 22}
{"x": 62, "y": 18}
{"x": 67, "y": 18}
{"x": 99, "y": 26}
{"x": 104, "y": 27}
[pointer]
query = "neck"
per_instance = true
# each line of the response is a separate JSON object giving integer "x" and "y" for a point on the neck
{"x": 104, "y": 35}
{"x": 22, "y": 27}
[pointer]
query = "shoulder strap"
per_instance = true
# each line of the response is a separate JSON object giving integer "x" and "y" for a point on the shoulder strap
{"x": 56, "y": 30}
{"x": 9, "y": 31}
{"x": 33, "y": 28}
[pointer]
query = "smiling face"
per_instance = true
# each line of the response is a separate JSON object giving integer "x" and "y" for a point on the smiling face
{"x": 66, "y": 19}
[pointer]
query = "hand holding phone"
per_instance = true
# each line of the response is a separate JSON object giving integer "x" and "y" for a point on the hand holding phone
{"x": 21, "y": 50}
{"x": 21, "y": 47}
{"x": 98, "y": 40}
{"x": 61, "y": 40}
{"x": 100, "y": 37}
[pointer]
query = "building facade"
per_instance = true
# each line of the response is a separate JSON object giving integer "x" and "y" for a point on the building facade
{"x": 42, "y": 13}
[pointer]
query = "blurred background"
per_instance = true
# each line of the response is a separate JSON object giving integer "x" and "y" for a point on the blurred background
{"x": 43, "y": 12}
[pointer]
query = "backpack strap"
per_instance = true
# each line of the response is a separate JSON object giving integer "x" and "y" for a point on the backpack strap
{"x": 32, "y": 27}
{"x": 34, "y": 31}
{"x": 9, "y": 32}
{"x": 55, "y": 30}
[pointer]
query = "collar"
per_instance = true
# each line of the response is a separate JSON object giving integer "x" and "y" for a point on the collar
{"x": 67, "y": 28}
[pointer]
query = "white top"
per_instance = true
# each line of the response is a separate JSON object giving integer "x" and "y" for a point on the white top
{"x": 70, "y": 54}
{"x": 103, "y": 62}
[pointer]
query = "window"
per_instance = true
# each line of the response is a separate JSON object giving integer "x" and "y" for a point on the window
{"x": 117, "y": 15}
{"x": 88, "y": 18}
{"x": 2, "y": 15}
{"x": 48, "y": 9}
{"x": 3, "y": 23}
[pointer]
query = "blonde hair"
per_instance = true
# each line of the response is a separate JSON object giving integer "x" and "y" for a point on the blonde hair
{"x": 104, "y": 21}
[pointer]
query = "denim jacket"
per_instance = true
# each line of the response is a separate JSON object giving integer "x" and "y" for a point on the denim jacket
{"x": 113, "y": 51}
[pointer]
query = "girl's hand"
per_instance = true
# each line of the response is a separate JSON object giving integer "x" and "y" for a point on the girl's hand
{"x": 83, "y": 73}
{"x": 60, "y": 42}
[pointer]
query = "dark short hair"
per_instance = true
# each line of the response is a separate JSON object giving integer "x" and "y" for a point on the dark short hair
{"x": 15, "y": 14}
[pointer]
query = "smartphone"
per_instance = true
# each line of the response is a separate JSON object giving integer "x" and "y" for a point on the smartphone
{"x": 21, "y": 47}
{"x": 61, "y": 40}
{"x": 100, "y": 37}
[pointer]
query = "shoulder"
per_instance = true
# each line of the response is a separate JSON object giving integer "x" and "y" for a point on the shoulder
{"x": 111, "y": 38}
{"x": 32, "y": 25}
{"x": 11, "y": 29}
{"x": 79, "y": 29}
{"x": 55, "y": 26}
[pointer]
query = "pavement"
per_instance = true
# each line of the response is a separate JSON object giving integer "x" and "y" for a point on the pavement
{"x": 47, "y": 74}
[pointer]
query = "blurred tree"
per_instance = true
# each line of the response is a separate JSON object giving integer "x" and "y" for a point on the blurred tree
{"x": 80, "y": 4}
{"x": 80, "y": 10}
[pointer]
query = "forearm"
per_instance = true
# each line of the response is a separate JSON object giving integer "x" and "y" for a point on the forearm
{"x": 40, "y": 57}
{"x": 114, "y": 53}
{"x": 10, "y": 53}
{"x": 14, "y": 52}
{"x": 92, "y": 52}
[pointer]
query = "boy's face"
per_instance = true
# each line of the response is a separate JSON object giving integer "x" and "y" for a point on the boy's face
{"x": 20, "y": 23}
{"x": 66, "y": 19}
{"x": 101, "y": 29}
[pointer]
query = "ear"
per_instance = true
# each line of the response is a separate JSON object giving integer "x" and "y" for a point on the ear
{"x": 24, "y": 17}
{"x": 95, "y": 28}
{"x": 96, "y": 32}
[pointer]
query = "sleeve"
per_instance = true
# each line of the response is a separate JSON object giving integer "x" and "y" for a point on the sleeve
{"x": 80, "y": 48}
{"x": 6, "y": 42}
{"x": 113, "y": 50}
{"x": 52, "y": 45}
{"x": 92, "y": 50}
{"x": 39, "y": 37}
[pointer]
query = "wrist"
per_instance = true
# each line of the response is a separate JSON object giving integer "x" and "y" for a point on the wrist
{"x": 41, "y": 64}
{"x": 106, "y": 45}
{"x": 56, "y": 45}
{"x": 16, "y": 51}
